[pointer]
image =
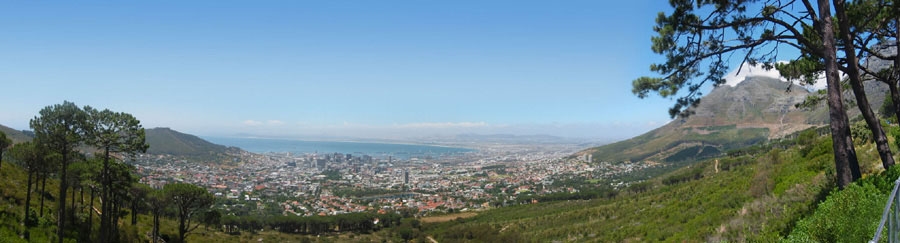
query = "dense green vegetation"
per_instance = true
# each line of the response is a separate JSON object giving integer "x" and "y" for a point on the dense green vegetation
{"x": 851, "y": 214}
{"x": 351, "y": 222}
{"x": 687, "y": 143}
{"x": 694, "y": 153}
{"x": 12, "y": 191}
{"x": 846, "y": 216}
{"x": 585, "y": 192}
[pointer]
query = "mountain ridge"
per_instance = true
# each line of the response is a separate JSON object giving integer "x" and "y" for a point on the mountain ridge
{"x": 755, "y": 110}
{"x": 759, "y": 102}
{"x": 163, "y": 140}
{"x": 15, "y": 135}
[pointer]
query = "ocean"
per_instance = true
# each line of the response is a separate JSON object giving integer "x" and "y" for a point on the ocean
{"x": 377, "y": 150}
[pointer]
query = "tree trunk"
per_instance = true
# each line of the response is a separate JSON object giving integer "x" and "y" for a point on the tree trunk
{"x": 114, "y": 218}
{"x": 845, "y": 161}
{"x": 881, "y": 141}
{"x": 155, "y": 224}
{"x": 43, "y": 191}
{"x": 895, "y": 74}
{"x": 856, "y": 83}
{"x": 72, "y": 213}
{"x": 134, "y": 211}
{"x": 895, "y": 97}
{"x": 182, "y": 229}
{"x": 107, "y": 199}
{"x": 90, "y": 221}
{"x": 28, "y": 201}
{"x": 60, "y": 221}
{"x": 81, "y": 194}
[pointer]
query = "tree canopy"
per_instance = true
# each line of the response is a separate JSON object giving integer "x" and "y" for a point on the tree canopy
{"x": 189, "y": 201}
{"x": 699, "y": 38}
{"x": 112, "y": 132}
{"x": 4, "y": 144}
{"x": 60, "y": 127}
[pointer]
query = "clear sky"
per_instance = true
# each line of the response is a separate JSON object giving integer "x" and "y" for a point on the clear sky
{"x": 337, "y": 68}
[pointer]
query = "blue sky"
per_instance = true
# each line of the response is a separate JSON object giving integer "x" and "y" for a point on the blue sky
{"x": 337, "y": 68}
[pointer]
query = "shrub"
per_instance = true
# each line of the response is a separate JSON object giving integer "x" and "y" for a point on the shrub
{"x": 884, "y": 181}
{"x": 850, "y": 215}
{"x": 860, "y": 132}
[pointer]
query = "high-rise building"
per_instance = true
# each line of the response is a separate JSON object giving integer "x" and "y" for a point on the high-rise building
{"x": 406, "y": 177}
{"x": 321, "y": 163}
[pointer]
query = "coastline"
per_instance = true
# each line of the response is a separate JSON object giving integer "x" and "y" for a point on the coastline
{"x": 222, "y": 140}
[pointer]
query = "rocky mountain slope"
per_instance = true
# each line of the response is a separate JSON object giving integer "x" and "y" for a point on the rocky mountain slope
{"x": 755, "y": 110}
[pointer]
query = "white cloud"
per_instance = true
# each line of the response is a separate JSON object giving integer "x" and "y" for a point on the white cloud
{"x": 746, "y": 70}
{"x": 275, "y": 122}
{"x": 738, "y": 75}
{"x": 821, "y": 83}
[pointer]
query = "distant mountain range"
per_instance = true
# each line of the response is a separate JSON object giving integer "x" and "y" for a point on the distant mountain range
{"x": 162, "y": 141}
{"x": 15, "y": 135}
{"x": 755, "y": 110}
{"x": 502, "y": 138}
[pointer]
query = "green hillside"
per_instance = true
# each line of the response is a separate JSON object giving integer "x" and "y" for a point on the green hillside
{"x": 17, "y": 136}
{"x": 755, "y": 197}
{"x": 171, "y": 142}
{"x": 12, "y": 191}
{"x": 660, "y": 144}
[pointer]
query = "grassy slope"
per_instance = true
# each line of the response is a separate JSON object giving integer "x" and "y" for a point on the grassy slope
{"x": 663, "y": 140}
{"x": 13, "y": 191}
{"x": 756, "y": 197}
